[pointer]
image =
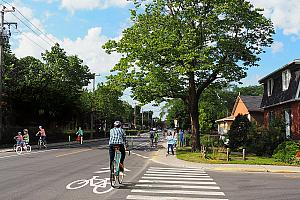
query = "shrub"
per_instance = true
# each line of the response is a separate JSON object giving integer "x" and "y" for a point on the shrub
{"x": 187, "y": 138}
{"x": 238, "y": 132}
{"x": 210, "y": 140}
{"x": 286, "y": 151}
{"x": 263, "y": 141}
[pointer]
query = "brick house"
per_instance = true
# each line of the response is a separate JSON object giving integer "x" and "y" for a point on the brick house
{"x": 281, "y": 97}
{"x": 245, "y": 105}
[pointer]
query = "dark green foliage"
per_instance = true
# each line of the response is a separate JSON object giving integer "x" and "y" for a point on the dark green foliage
{"x": 238, "y": 132}
{"x": 48, "y": 90}
{"x": 286, "y": 151}
{"x": 210, "y": 141}
{"x": 263, "y": 141}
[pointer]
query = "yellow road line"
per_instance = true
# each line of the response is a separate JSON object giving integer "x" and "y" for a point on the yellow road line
{"x": 73, "y": 153}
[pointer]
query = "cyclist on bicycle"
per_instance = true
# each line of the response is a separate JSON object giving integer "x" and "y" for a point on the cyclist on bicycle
{"x": 117, "y": 138}
{"x": 19, "y": 139}
{"x": 26, "y": 136}
{"x": 42, "y": 134}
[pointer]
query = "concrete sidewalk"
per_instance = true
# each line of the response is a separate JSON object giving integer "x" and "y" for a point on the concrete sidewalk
{"x": 170, "y": 160}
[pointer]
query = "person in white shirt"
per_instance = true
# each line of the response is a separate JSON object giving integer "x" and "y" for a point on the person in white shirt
{"x": 170, "y": 141}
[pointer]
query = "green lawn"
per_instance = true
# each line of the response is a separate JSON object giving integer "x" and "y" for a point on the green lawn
{"x": 220, "y": 158}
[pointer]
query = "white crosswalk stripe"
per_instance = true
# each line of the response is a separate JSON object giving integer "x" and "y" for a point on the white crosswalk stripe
{"x": 169, "y": 183}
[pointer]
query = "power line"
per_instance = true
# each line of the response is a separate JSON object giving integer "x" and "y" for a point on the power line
{"x": 37, "y": 44}
{"x": 31, "y": 29}
{"x": 20, "y": 32}
{"x": 31, "y": 25}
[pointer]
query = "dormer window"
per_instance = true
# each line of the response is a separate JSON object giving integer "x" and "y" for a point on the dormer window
{"x": 270, "y": 85}
{"x": 286, "y": 77}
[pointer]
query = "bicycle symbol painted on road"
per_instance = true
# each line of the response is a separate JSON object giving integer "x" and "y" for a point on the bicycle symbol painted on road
{"x": 98, "y": 183}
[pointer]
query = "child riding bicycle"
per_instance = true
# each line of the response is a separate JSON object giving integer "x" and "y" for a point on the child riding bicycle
{"x": 19, "y": 138}
{"x": 26, "y": 136}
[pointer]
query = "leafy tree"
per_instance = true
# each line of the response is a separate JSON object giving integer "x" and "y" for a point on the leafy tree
{"x": 176, "y": 49}
{"x": 205, "y": 124}
{"x": 44, "y": 90}
{"x": 177, "y": 109}
{"x": 108, "y": 105}
{"x": 238, "y": 133}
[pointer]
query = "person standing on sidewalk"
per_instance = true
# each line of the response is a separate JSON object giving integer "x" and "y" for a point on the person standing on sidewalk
{"x": 170, "y": 142}
{"x": 181, "y": 138}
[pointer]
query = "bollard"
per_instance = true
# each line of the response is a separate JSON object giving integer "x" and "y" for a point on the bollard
{"x": 244, "y": 154}
{"x": 69, "y": 140}
{"x": 228, "y": 154}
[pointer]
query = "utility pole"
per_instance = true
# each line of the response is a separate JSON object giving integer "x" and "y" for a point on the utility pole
{"x": 134, "y": 116}
{"x": 4, "y": 37}
{"x": 93, "y": 106}
{"x": 149, "y": 120}
{"x": 142, "y": 119}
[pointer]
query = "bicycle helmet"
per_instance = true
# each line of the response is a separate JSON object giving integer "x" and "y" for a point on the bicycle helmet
{"x": 19, "y": 133}
{"x": 117, "y": 123}
{"x": 25, "y": 130}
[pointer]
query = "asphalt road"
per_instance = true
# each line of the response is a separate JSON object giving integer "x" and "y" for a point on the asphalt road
{"x": 80, "y": 172}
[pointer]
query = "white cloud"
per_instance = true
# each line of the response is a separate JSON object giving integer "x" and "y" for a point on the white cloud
{"x": 284, "y": 14}
{"x": 88, "y": 48}
{"x": 29, "y": 44}
{"x": 277, "y": 47}
{"x": 73, "y": 5}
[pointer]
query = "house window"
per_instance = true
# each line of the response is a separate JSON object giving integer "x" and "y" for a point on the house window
{"x": 270, "y": 85}
{"x": 286, "y": 77}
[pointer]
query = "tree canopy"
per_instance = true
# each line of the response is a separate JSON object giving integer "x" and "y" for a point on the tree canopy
{"x": 176, "y": 49}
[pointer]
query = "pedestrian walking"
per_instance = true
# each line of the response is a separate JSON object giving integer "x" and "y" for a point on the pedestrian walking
{"x": 79, "y": 134}
{"x": 170, "y": 141}
{"x": 151, "y": 136}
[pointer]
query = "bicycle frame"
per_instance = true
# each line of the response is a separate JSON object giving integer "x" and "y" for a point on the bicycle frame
{"x": 115, "y": 173}
{"x": 117, "y": 159}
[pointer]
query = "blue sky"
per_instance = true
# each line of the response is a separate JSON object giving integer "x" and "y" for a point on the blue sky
{"x": 83, "y": 26}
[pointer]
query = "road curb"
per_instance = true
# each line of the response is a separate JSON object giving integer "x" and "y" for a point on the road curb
{"x": 160, "y": 157}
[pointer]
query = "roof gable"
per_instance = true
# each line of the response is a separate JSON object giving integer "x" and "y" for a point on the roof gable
{"x": 251, "y": 103}
{"x": 289, "y": 65}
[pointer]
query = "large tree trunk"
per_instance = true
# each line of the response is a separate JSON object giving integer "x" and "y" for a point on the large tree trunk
{"x": 194, "y": 113}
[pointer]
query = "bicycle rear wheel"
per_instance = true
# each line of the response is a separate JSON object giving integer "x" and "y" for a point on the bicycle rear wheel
{"x": 19, "y": 150}
{"x": 113, "y": 174}
{"x": 39, "y": 144}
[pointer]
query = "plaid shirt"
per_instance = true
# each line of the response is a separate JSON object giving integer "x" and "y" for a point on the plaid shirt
{"x": 117, "y": 136}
